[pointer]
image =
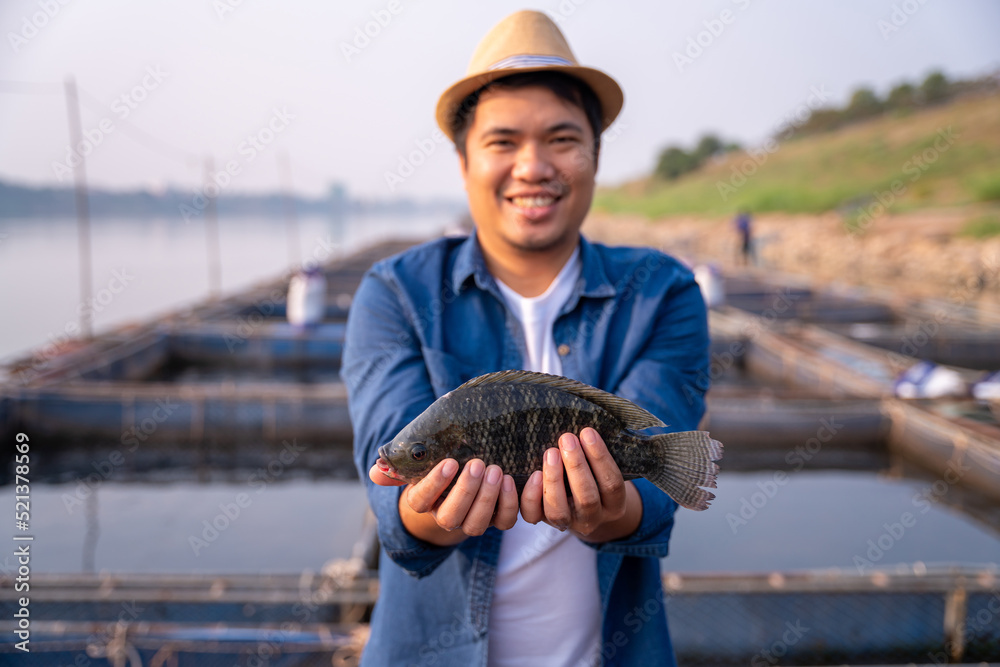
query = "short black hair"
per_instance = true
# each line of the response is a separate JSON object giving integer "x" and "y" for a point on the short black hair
{"x": 563, "y": 86}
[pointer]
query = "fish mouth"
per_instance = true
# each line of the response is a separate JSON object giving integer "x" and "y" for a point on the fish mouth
{"x": 384, "y": 466}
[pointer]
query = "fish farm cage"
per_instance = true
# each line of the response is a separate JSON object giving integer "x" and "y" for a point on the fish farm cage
{"x": 239, "y": 379}
{"x": 907, "y": 615}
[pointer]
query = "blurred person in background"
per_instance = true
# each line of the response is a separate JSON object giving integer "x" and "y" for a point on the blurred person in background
{"x": 744, "y": 229}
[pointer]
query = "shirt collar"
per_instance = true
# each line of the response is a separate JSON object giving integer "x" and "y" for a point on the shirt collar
{"x": 469, "y": 263}
{"x": 595, "y": 280}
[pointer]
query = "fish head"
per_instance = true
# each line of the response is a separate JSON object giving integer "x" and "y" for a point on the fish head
{"x": 414, "y": 452}
{"x": 405, "y": 461}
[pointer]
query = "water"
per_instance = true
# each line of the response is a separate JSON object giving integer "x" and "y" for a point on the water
{"x": 142, "y": 268}
{"x": 816, "y": 519}
{"x": 187, "y": 527}
{"x": 856, "y": 520}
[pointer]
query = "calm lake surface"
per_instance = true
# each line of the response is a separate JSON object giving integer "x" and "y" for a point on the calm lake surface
{"x": 145, "y": 267}
{"x": 818, "y": 519}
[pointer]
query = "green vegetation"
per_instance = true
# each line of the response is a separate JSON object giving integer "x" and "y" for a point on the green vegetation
{"x": 674, "y": 161}
{"x": 865, "y": 103}
{"x": 982, "y": 227}
{"x": 902, "y": 96}
{"x": 940, "y": 155}
{"x": 987, "y": 187}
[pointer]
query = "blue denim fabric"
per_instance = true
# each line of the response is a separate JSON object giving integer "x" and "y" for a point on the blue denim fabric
{"x": 425, "y": 321}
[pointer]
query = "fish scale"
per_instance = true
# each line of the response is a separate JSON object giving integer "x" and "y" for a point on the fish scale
{"x": 517, "y": 423}
{"x": 510, "y": 418}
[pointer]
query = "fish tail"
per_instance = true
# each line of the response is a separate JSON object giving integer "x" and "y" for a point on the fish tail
{"x": 682, "y": 462}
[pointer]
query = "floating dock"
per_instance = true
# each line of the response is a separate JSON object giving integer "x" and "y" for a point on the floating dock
{"x": 222, "y": 383}
{"x": 900, "y": 616}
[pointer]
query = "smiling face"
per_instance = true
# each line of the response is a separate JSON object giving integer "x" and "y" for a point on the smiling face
{"x": 529, "y": 170}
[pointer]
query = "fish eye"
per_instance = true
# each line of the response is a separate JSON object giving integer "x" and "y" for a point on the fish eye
{"x": 418, "y": 452}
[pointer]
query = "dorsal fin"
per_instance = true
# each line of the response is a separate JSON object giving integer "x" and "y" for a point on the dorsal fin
{"x": 630, "y": 414}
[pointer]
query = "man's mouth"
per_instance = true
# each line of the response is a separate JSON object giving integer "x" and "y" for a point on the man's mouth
{"x": 535, "y": 201}
{"x": 534, "y": 206}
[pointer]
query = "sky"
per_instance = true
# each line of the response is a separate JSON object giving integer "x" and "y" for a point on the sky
{"x": 344, "y": 92}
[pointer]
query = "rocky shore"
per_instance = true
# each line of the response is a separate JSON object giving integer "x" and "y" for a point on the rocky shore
{"x": 916, "y": 254}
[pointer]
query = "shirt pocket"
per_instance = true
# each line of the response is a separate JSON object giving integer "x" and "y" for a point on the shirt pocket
{"x": 448, "y": 371}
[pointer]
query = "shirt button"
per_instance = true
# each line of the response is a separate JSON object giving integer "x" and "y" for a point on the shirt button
{"x": 563, "y": 350}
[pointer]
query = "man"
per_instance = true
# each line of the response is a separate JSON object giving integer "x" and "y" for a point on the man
{"x": 743, "y": 228}
{"x": 483, "y": 577}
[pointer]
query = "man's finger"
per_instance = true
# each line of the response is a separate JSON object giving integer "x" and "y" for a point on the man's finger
{"x": 606, "y": 473}
{"x": 586, "y": 511}
{"x": 531, "y": 499}
{"x": 422, "y": 495}
{"x": 451, "y": 512}
{"x": 554, "y": 503}
{"x": 480, "y": 514}
{"x": 506, "y": 512}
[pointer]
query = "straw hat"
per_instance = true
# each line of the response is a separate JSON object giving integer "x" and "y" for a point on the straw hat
{"x": 526, "y": 41}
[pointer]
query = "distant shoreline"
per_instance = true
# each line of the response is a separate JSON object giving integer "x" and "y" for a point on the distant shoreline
{"x": 18, "y": 201}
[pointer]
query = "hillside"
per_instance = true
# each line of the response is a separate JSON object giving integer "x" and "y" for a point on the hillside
{"x": 907, "y": 203}
{"x": 938, "y": 157}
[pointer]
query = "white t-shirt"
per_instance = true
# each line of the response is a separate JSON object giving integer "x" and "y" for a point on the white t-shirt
{"x": 546, "y": 607}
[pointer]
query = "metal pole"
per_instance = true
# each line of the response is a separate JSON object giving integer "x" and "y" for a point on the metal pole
{"x": 291, "y": 219}
{"x": 212, "y": 233}
{"x": 82, "y": 209}
{"x": 955, "y": 610}
{"x": 93, "y": 532}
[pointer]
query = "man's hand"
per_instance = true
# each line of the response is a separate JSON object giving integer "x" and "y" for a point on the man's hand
{"x": 603, "y": 506}
{"x": 482, "y": 497}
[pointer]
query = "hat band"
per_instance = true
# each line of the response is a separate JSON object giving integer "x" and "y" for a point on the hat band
{"x": 515, "y": 62}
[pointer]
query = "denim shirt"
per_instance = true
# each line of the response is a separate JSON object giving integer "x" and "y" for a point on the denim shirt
{"x": 425, "y": 321}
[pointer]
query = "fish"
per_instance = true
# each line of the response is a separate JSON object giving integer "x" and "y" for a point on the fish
{"x": 509, "y": 418}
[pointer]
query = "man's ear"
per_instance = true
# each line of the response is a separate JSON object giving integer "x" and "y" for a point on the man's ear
{"x": 463, "y": 167}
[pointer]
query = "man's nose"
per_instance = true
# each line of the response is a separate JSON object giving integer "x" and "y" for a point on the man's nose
{"x": 533, "y": 164}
